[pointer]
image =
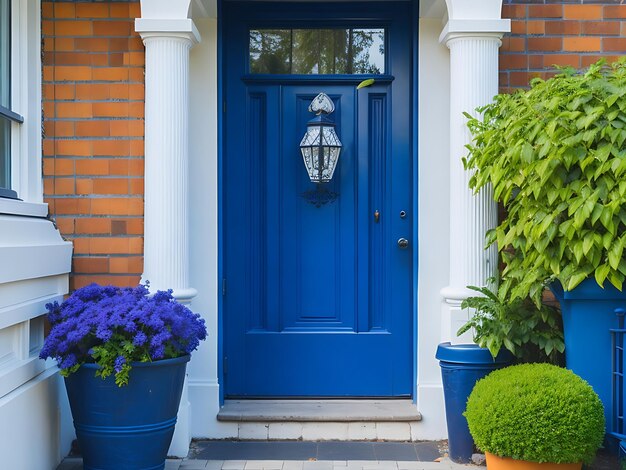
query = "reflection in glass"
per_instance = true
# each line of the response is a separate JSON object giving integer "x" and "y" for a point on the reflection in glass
{"x": 317, "y": 51}
{"x": 5, "y": 57}
{"x": 270, "y": 51}
{"x": 5, "y": 153}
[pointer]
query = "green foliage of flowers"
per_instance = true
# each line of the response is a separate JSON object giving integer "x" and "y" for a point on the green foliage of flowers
{"x": 531, "y": 333}
{"x": 555, "y": 156}
{"x": 537, "y": 413}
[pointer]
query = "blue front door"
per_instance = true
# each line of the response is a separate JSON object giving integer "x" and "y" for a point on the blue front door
{"x": 317, "y": 300}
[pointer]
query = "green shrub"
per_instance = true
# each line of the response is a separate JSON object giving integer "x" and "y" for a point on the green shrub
{"x": 537, "y": 413}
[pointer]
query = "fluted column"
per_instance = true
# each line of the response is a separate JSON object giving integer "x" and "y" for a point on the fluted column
{"x": 473, "y": 83}
{"x": 166, "y": 217}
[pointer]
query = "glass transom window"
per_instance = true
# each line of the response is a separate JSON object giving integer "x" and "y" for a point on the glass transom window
{"x": 336, "y": 51}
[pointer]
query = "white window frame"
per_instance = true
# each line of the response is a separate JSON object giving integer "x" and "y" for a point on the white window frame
{"x": 26, "y": 164}
{"x": 34, "y": 258}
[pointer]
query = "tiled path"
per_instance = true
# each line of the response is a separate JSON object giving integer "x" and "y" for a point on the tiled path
{"x": 297, "y": 455}
{"x": 198, "y": 464}
{"x": 294, "y": 455}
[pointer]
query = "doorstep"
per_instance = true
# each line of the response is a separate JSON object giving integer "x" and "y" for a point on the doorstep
{"x": 319, "y": 420}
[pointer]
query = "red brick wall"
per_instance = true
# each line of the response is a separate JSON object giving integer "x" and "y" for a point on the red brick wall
{"x": 93, "y": 102}
{"x": 547, "y": 32}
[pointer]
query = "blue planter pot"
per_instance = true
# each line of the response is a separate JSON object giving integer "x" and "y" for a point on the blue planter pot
{"x": 588, "y": 315}
{"x": 130, "y": 427}
{"x": 462, "y": 365}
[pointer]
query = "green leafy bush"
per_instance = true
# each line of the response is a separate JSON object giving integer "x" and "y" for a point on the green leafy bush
{"x": 531, "y": 333}
{"x": 555, "y": 157}
{"x": 537, "y": 413}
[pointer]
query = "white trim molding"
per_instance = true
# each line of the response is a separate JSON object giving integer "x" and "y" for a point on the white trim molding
{"x": 26, "y": 91}
{"x": 473, "y": 34}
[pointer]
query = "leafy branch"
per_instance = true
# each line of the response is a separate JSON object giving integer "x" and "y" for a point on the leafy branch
{"x": 555, "y": 156}
{"x": 531, "y": 333}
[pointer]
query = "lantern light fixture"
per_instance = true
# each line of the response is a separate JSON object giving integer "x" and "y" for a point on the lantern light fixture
{"x": 320, "y": 145}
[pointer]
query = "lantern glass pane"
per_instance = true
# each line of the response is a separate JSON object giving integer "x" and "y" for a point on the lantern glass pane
{"x": 329, "y": 136}
{"x": 315, "y": 51}
{"x": 311, "y": 137}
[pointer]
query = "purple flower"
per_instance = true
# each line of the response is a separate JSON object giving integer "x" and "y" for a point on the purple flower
{"x": 119, "y": 363}
{"x": 140, "y": 339}
{"x": 96, "y": 323}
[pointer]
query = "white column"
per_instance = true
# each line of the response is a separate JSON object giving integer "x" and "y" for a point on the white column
{"x": 473, "y": 45}
{"x": 166, "y": 217}
{"x": 168, "y": 36}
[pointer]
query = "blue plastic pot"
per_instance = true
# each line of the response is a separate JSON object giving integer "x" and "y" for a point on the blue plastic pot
{"x": 462, "y": 365}
{"x": 129, "y": 427}
{"x": 588, "y": 315}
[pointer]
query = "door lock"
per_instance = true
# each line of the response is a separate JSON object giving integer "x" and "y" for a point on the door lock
{"x": 403, "y": 243}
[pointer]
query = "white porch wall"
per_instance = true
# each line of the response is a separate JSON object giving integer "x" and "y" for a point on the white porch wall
{"x": 36, "y": 430}
{"x": 203, "y": 384}
{"x": 433, "y": 221}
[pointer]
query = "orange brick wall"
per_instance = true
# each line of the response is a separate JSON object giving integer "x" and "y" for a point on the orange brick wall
{"x": 93, "y": 102}
{"x": 546, "y": 33}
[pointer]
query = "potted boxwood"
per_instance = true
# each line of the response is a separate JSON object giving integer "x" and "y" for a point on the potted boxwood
{"x": 503, "y": 331}
{"x": 535, "y": 416}
{"x": 123, "y": 353}
{"x": 555, "y": 157}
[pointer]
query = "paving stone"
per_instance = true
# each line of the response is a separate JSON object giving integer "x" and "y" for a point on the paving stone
{"x": 395, "y": 451}
{"x": 292, "y": 465}
{"x": 444, "y": 465}
{"x": 264, "y": 464}
{"x": 358, "y": 464}
{"x": 193, "y": 464}
{"x": 214, "y": 464}
{"x": 381, "y": 465}
{"x": 173, "y": 464}
{"x": 409, "y": 465}
{"x": 318, "y": 465}
{"x": 345, "y": 450}
{"x": 427, "y": 451}
{"x": 234, "y": 465}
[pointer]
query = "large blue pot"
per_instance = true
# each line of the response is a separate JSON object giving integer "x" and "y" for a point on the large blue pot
{"x": 462, "y": 365}
{"x": 129, "y": 427}
{"x": 588, "y": 315}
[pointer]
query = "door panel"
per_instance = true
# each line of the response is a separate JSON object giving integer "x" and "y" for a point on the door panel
{"x": 319, "y": 299}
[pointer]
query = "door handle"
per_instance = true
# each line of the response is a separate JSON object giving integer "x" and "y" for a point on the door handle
{"x": 403, "y": 243}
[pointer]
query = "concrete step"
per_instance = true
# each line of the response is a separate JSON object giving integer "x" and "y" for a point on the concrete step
{"x": 314, "y": 420}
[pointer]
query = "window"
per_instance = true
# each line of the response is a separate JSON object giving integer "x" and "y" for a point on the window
{"x": 7, "y": 116}
{"x": 317, "y": 51}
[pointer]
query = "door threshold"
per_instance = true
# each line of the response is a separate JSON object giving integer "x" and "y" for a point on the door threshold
{"x": 316, "y": 410}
